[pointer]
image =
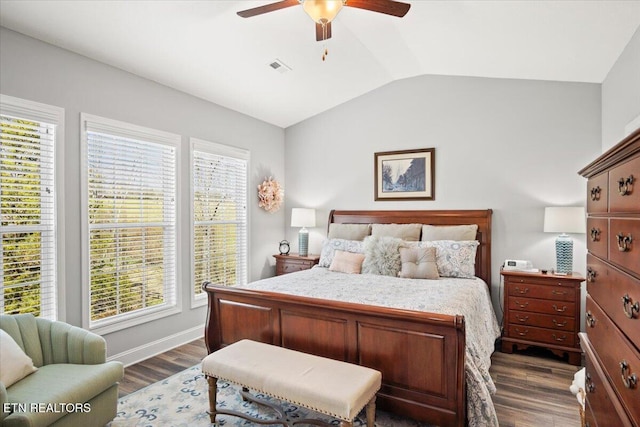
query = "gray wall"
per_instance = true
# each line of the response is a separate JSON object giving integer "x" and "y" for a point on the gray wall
{"x": 37, "y": 71}
{"x": 514, "y": 146}
{"x": 621, "y": 94}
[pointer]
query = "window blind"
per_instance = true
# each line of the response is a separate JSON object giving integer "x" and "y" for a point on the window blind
{"x": 219, "y": 215}
{"x": 131, "y": 213}
{"x": 27, "y": 212}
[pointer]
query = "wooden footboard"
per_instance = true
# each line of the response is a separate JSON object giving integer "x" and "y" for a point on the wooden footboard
{"x": 421, "y": 355}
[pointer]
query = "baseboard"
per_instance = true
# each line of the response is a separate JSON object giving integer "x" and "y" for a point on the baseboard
{"x": 143, "y": 352}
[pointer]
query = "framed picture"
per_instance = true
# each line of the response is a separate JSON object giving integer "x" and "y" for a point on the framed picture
{"x": 405, "y": 175}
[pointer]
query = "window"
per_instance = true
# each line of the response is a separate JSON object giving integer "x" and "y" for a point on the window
{"x": 219, "y": 222}
{"x": 30, "y": 135}
{"x": 129, "y": 222}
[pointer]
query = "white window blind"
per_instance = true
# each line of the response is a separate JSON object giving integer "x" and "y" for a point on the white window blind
{"x": 131, "y": 221}
{"x": 28, "y": 135}
{"x": 219, "y": 193}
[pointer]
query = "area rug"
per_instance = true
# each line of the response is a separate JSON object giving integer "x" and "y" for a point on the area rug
{"x": 182, "y": 401}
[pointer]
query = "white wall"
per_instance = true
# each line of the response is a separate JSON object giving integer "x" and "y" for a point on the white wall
{"x": 621, "y": 94}
{"x": 514, "y": 146}
{"x": 37, "y": 71}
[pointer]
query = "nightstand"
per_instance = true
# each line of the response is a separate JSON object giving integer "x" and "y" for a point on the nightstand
{"x": 542, "y": 310}
{"x": 294, "y": 262}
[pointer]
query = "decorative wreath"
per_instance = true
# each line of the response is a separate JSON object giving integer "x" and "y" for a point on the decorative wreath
{"x": 271, "y": 194}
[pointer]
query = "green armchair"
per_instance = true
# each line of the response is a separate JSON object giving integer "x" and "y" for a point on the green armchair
{"x": 74, "y": 384}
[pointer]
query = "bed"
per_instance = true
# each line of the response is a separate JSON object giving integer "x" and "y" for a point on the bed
{"x": 430, "y": 372}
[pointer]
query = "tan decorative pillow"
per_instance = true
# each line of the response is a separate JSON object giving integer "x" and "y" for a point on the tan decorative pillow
{"x": 449, "y": 232}
{"x": 14, "y": 363}
{"x": 347, "y": 262}
{"x": 418, "y": 263}
{"x": 349, "y": 231}
{"x": 407, "y": 232}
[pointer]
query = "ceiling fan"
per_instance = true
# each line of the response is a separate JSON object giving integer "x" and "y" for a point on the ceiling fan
{"x": 323, "y": 11}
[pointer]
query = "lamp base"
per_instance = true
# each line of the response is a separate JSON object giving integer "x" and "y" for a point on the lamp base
{"x": 564, "y": 254}
{"x": 303, "y": 242}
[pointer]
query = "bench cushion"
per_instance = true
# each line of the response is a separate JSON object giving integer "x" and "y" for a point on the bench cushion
{"x": 328, "y": 386}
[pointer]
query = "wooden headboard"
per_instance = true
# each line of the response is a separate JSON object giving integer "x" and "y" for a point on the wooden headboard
{"x": 456, "y": 217}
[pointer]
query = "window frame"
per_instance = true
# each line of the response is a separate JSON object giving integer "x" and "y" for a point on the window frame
{"x": 196, "y": 144}
{"x": 40, "y": 112}
{"x": 128, "y": 130}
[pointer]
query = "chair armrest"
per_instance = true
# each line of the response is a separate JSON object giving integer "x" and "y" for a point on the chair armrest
{"x": 71, "y": 344}
{"x": 3, "y": 400}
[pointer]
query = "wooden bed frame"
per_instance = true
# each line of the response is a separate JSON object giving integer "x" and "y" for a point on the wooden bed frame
{"x": 421, "y": 355}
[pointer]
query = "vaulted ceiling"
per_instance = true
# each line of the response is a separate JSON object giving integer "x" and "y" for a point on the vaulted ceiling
{"x": 205, "y": 49}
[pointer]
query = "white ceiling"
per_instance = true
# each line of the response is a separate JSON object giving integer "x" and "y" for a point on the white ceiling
{"x": 205, "y": 49}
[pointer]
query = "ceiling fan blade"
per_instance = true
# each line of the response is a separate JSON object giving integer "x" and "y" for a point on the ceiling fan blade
{"x": 268, "y": 8}
{"x": 388, "y": 7}
{"x": 321, "y": 34}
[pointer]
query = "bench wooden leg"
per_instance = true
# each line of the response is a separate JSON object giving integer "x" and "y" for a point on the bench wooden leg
{"x": 371, "y": 412}
{"x": 213, "y": 393}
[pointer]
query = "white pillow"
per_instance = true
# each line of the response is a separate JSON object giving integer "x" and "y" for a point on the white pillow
{"x": 14, "y": 363}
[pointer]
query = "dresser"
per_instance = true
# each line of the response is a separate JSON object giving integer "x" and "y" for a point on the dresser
{"x": 542, "y": 310}
{"x": 294, "y": 262}
{"x": 611, "y": 341}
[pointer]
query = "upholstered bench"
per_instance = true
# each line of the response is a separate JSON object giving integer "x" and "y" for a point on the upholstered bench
{"x": 331, "y": 387}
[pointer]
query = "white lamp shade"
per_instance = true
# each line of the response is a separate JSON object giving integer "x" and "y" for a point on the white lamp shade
{"x": 303, "y": 217}
{"x": 564, "y": 220}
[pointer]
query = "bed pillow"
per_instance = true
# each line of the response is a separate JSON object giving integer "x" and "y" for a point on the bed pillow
{"x": 347, "y": 262}
{"x": 408, "y": 232}
{"x": 331, "y": 245}
{"x": 14, "y": 363}
{"x": 349, "y": 231}
{"x": 454, "y": 258}
{"x": 449, "y": 232}
{"x": 381, "y": 256}
{"x": 418, "y": 263}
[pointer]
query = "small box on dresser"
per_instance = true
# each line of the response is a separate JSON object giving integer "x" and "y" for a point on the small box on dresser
{"x": 542, "y": 310}
{"x": 611, "y": 342}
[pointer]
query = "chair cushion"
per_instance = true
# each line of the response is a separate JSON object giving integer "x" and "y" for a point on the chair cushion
{"x": 14, "y": 363}
{"x": 328, "y": 386}
{"x": 63, "y": 383}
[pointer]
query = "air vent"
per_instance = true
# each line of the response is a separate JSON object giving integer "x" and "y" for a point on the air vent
{"x": 280, "y": 66}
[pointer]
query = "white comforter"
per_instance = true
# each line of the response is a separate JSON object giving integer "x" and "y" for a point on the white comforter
{"x": 467, "y": 297}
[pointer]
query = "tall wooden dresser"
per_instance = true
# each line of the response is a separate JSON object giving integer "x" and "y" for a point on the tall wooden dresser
{"x": 611, "y": 342}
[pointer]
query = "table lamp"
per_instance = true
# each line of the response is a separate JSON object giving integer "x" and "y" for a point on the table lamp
{"x": 303, "y": 217}
{"x": 564, "y": 220}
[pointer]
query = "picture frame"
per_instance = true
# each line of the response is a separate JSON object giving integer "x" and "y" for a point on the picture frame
{"x": 405, "y": 175}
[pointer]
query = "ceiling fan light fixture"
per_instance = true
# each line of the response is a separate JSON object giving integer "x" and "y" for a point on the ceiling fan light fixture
{"x": 322, "y": 11}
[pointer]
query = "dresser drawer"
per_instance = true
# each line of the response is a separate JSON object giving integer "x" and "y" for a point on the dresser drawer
{"x": 624, "y": 243}
{"x": 602, "y": 403}
{"x": 598, "y": 236}
{"x": 624, "y": 188}
{"x": 617, "y": 294}
{"x": 559, "y": 323}
{"x": 293, "y": 266}
{"x": 543, "y": 335}
{"x": 562, "y": 308}
{"x": 619, "y": 359}
{"x": 559, "y": 291}
{"x": 597, "y": 194}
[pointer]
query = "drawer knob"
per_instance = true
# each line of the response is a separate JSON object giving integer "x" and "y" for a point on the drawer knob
{"x": 554, "y": 292}
{"x": 595, "y": 234}
{"x": 560, "y": 339}
{"x": 624, "y": 242}
{"x": 591, "y": 274}
{"x": 522, "y": 305}
{"x": 628, "y": 307}
{"x": 522, "y": 318}
{"x": 522, "y": 334}
{"x": 522, "y": 291}
{"x": 559, "y": 324}
{"x": 591, "y": 387}
{"x": 590, "y": 319}
{"x": 630, "y": 381}
{"x": 560, "y": 310}
{"x": 595, "y": 193}
{"x": 625, "y": 186}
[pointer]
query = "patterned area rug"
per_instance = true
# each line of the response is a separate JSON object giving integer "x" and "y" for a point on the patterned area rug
{"x": 182, "y": 400}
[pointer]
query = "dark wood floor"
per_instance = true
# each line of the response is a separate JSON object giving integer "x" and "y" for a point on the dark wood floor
{"x": 532, "y": 391}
